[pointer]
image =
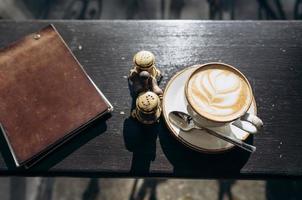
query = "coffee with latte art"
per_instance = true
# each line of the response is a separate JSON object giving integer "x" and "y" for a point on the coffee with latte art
{"x": 219, "y": 92}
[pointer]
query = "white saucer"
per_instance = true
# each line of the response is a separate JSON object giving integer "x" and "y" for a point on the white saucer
{"x": 174, "y": 100}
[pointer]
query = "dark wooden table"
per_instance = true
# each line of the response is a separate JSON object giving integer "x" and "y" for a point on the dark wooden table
{"x": 269, "y": 53}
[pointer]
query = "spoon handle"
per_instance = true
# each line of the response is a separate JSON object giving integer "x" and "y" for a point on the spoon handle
{"x": 232, "y": 140}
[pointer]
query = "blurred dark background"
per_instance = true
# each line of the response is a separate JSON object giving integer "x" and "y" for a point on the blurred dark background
{"x": 15, "y": 188}
{"x": 152, "y": 9}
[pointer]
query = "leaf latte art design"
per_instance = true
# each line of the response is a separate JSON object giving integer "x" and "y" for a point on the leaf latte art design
{"x": 218, "y": 92}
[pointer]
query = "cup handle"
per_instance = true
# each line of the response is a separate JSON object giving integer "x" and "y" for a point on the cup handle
{"x": 249, "y": 123}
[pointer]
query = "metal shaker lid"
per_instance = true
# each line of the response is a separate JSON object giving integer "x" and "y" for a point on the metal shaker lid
{"x": 144, "y": 59}
{"x": 148, "y": 102}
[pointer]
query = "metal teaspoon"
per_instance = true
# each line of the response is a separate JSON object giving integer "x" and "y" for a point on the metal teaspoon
{"x": 185, "y": 122}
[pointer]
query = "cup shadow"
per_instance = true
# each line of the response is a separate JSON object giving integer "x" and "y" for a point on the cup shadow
{"x": 190, "y": 163}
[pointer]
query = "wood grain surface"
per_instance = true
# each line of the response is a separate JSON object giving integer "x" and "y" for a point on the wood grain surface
{"x": 268, "y": 53}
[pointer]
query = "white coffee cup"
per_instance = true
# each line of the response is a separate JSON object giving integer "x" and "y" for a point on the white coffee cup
{"x": 218, "y": 94}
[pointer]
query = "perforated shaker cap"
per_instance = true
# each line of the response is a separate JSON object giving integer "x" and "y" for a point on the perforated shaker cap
{"x": 144, "y": 59}
{"x": 147, "y": 102}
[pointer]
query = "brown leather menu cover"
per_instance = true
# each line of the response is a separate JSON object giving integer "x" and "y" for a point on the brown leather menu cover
{"x": 45, "y": 95}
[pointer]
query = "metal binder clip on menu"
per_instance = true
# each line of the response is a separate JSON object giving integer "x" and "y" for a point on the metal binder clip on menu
{"x": 144, "y": 76}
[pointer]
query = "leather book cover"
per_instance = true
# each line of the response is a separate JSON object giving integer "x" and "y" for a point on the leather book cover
{"x": 45, "y": 95}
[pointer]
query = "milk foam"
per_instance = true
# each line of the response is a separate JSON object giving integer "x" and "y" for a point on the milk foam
{"x": 218, "y": 92}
